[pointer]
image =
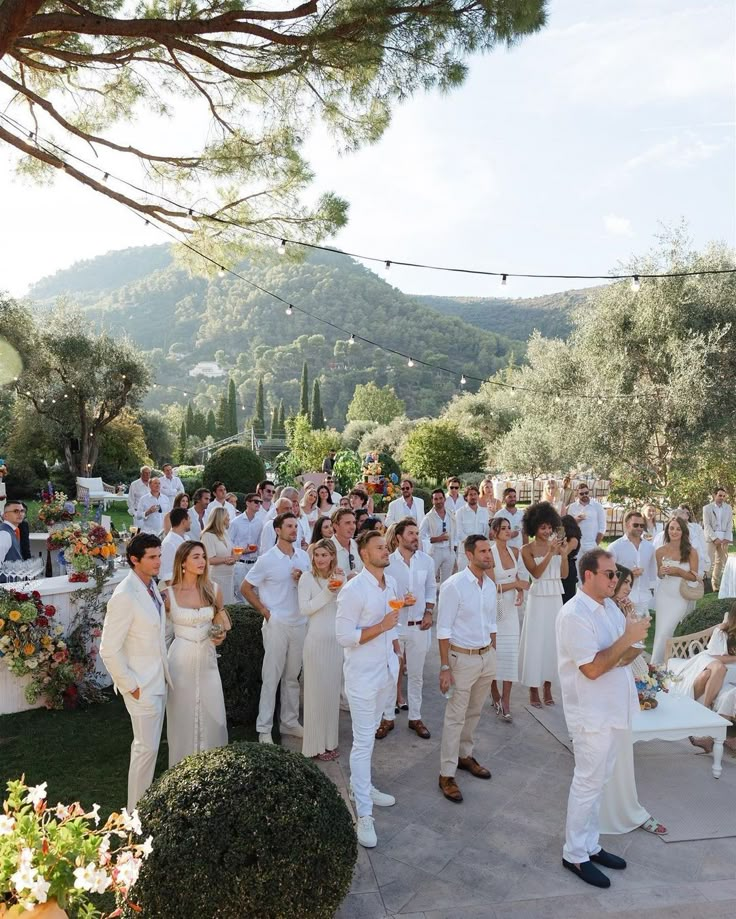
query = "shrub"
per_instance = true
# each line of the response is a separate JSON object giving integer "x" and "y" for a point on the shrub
{"x": 348, "y": 470}
{"x": 238, "y": 467}
{"x": 355, "y": 431}
{"x": 389, "y": 465}
{"x": 240, "y": 662}
{"x": 247, "y": 830}
{"x": 709, "y": 611}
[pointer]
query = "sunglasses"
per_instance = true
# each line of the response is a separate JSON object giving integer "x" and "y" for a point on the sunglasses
{"x": 638, "y": 526}
{"x": 454, "y": 487}
{"x": 255, "y": 501}
{"x": 609, "y": 574}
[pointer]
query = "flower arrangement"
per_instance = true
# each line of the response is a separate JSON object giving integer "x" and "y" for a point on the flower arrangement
{"x": 56, "y": 508}
{"x": 63, "y": 537}
{"x": 373, "y": 468}
{"x": 657, "y": 679}
{"x": 55, "y": 853}
{"x": 82, "y": 545}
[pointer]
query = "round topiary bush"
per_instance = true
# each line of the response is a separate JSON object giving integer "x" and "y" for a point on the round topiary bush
{"x": 238, "y": 467}
{"x": 248, "y": 830}
{"x": 710, "y": 611}
{"x": 240, "y": 662}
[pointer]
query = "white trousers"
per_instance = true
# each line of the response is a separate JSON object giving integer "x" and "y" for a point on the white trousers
{"x": 444, "y": 562}
{"x": 282, "y": 663}
{"x": 414, "y": 646}
{"x": 595, "y": 756}
{"x": 147, "y": 719}
{"x": 367, "y": 705}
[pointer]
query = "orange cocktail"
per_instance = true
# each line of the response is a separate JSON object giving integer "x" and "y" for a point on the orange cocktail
{"x": 396, "y": 603}
{"x": 238, "y": 551}
{"x": 334, "y": 581}
{"x": 252, "y": 547}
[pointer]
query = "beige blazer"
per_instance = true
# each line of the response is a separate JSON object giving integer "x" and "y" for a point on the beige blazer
{"x": 710, "y": 521}
{"x": 133, "y": 645}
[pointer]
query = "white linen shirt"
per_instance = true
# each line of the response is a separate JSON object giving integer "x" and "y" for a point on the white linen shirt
{"x": 343, "y": 557}
{"x": 454, "y": 504}
{"x": 585, "y": 627}
{"x": 399, "y": 510}
{"x": 232, "y": 513}
{"x": 593, "y": 524}
{"x": 244, "y": 532}
{"x": 277, "y": 589}
{"x": 195, "y": 530}
{"x": 135, "y": 493}
{"x": 268, "y": 534}
{"x": 170, "y": 544}
{"x": 467, "y": 612}
{"x": 469, "y": 522}
{"x": 626, "y": 553}
{"x": 362, "y": 603}
{"x": 153, "y": 523}
{"x": 434, "y": 525}
{"x": 171, "y": 487}
{"x": 417, "y": 578}
{"x": 515, "y": 520}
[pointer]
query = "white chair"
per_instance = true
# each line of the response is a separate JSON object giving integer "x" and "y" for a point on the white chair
{"x": 96, "y": 491}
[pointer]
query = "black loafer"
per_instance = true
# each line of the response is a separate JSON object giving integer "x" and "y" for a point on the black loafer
{"x": 608, "y": 861}
{"x": 589, "y": 873}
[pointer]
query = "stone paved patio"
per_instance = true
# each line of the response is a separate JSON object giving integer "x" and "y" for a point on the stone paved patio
{"x": 497, "y": 855}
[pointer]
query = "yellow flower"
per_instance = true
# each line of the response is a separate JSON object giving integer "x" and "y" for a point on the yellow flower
{"x": 2, "y": 624}
{"x": 14, "y": 615}
{"x": 28, "y": 649}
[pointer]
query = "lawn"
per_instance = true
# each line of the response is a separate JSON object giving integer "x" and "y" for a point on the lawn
{"x": 118, "y": 511}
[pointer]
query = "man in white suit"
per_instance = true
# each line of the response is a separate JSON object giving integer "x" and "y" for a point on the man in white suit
{"x": 133, "y": 648}
{"x": 406, "y": 506}
{"x": 718, "y": 526}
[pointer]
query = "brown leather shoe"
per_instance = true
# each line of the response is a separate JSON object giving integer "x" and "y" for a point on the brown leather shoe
{"x": 471, "y": 765}
{"x": 448, "y": 787}
{"x": 420, "y": 728}
{"x": 383, "y": 728}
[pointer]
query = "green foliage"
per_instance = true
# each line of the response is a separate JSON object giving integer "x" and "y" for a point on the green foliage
{"x": 259, "y": 417}
{"x": 122, "y": 450}
{"x": 389, "y": 466}
{"x": 158, "y": 436}
{"x": 317, "y": 418}
{"x": 240, "y": 663}
{"x": 436, "y": 449}
{"x": 212, "y": 426}
{"x": 232, "y": 402}
{"x": 189, "y": 421}
{"x": 388, "y": 438}
{"x": 310, "y": 447}
{"x": 181, "y": 444}
{"x": 274, "y": 430}
{"x": 709, "y": 611}
{"x": 355, "y": 431}
{"x": 282, "y": 420}
{"x": 348, "y": 470}
{"x": 374, "y": 403}
{"x": 222, "y": 424}
{"x": 304, "y": 392}
{"x": 238, "y": 467}
{"x": 286, "y": 468}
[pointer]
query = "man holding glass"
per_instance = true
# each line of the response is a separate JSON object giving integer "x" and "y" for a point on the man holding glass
{"x": 638, "y": 555}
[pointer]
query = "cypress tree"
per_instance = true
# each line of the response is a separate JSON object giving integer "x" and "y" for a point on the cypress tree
{"x": 200, "y": 424}
{"x": 211, "y": 425}
{"x": 304, "y": 395}
{"x": 190, "y": 419}
{"x": 282, "y": 420}
{"x": 181, "y": 449}
{"x": 259, "y": 419}
{"x": 274, "y": 422}
{"x": 223, "y": 419}
{"x": 317, "y": 418}
{"x": 232, "y": 399}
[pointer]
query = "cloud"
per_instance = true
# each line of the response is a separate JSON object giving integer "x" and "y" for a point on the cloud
{"x": 617, "y": 226}
{"x": 675, "y": 153}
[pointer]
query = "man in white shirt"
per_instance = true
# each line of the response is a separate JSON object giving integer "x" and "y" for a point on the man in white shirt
{"x": 13, "y": 514}
{"x": 245, "y": 533}
{"x": 218, "y": 492}
{"x": 594, "y": 647}
{"x": 180, "y": 526}
{"x": 470, "y": 520}
{"x": 151, "y": 509}
{"x": 454, "y": 499}
{"x": 718, "y": 527}
{"x": 265, "y": 491}
{"x": 366, "y": 628}
{"x": 268, "y": 533}
{"x": 466, "y": 629}
{"x": 515, "y": 516}
{"x": 413, "y": 572}
{"x": 638, "y": 555}
{"x": 438, "y": 535}
{"x": 276, "y": 575}
{"x": 335, "y": 495}
{"x": 405, "y": 506}
{"x": 138, "y": 489}
{"x": 348, "y": 557}
{"x": 171, "y": 485}
{"x": 198, "y": 512}
{"x": 590, "y": 516}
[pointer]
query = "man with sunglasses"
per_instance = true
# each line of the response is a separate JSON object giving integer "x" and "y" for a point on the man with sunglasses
{"x": 265, "y": 491}
{"x": 638, "y": 555}
{"x": 348, "y": 557}
{"x": 595, "y": 643}
{"x": 590, "y": 516}
{"x": 335, "y": 495}
{"x": 245, "y": 531}
{"x": 454, "y": 499}
{"x": 405, "y": 506}
{"x": 437, "y": 533}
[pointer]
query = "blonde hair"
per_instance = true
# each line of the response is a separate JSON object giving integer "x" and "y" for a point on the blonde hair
{"x": 207, "y": 590}
{"x": 486, "y": 485}
{"x": 547, "y": 494}
{"x": 392, "y": 540}
{"x": 309, "y": 489}
{"x": 330, "y": 547}
{"x": 216, "y": 523}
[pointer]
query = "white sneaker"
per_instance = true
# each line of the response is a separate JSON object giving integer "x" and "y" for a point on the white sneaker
{"x": 381, "y": 799}
{"x": 366, "y": 832}
{"x": 296, "y": 730}
{"x": 265, "y": 738}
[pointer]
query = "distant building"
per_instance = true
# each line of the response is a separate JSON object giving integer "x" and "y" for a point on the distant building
{"x": 207, "y": 369}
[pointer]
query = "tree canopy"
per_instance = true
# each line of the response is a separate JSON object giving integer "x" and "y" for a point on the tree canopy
{"x": 375, "y": 403}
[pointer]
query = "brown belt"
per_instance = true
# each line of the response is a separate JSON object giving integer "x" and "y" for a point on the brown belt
{"x": 470, "y": 650}
{"x": 416, "y": 622}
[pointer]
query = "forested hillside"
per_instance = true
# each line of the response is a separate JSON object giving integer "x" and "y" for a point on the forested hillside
{"x": 181, "y": 320}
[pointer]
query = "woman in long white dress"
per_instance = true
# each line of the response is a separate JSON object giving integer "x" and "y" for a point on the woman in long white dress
{"x": 322, "y": 657}
{"x": 676, "y": 561}
{"x": 621, "y": 811}
{"x": 545, "y": 558}
{"x": 220, "y": 552}
{"x": 510, "y": 596}
{"x": 195, "y": 706}
{"x": 652, "y": 526}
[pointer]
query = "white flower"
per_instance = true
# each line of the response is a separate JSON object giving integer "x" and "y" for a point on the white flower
{"x": 85, "y": 877}
{"x": 7, "y": 825}
{"x": 40, "y": 889}
{"x": 94, "y": 814}
{"x": 132, "y": 822}
{"x": 36, "y": 794}
{"x": 126, "y": 870}
{"x": 62, "y": 811}
{"x": 25, "y": 876}
{"x": 104, "y": 851}
{"x": 100, "y": 881}
{"x": 145, "y": 848}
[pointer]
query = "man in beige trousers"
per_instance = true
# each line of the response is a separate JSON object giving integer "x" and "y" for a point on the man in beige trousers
{"x": 718, "y": 527}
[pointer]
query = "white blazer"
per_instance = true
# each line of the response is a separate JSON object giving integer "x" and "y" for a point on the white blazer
{"x": 133, "y": 645}
{"x": 397, "y": 510}
{"x": 710, "y": 521}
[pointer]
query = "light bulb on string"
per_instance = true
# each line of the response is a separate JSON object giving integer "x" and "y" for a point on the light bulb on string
{"x": 635, "y": 283}
{"x": 387, "y": 265}
{"x": 410, "y": 363}
{"x": 282, "y": 247}
{"x": 504, "y": 280}
{"x": 289, "y": 310}
{"x": 221, "y": 271}
{"x": 463, "y": 381}
{"x": 351, "y": 340}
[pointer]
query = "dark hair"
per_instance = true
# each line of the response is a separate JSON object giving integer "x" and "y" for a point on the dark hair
{"x": 507, "y": 491}
{"x": 216, "y": 485}
{"x": 329, "y": 494}
{"x": 167, "y": 463}
{"x": 686, "y": 507}
{"x": 359, "y": 513}
{"x": 537, "y": 514}
{"x": 469, "y": 488}
{"x": 138, "y": 545}
{"x": 589, "y": 561}
{"x": 261, "y": 485}
{"x": 365, "y": 537}
{"x": 403, "y": 524}
{"x": 340, "y": 513}
{"x": 624, "y": 574}
{"x": 359, "y": 493}
{"x": 13, "y": 501}
{"x": 179, "y": 498}
{"x": 370, "y": 523}
{"x": 718, "y": 488}
{"x": 472, "y": 541}
{"x": 632, "y": 513}
{"x": 685, "y": 544}
{"x": 317, "y": 531}
{"x": 497, "y": 522}
{"x": 252, "y": 497}
{"x": 572, "y": 530}
{"x": 279, "y": 519}
{"x": 177, "y": 516}
{"x": 438, "y": 491}
{"x": 198, "y": 494}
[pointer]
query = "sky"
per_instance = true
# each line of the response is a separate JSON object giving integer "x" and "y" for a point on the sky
{"x": 564, "y": 155}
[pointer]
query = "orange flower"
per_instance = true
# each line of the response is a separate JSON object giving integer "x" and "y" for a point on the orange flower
{"x": 28, "y": 649}
{"x": 14, "y": 615}
{"x": 2, "y": 624}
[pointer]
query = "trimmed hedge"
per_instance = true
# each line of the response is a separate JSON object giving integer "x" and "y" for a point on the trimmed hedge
{"x": 238, "y": 467}
{"x": 248, "y": 830}
{"x": 240, "y": 663}
{"x": 709, "y": 612}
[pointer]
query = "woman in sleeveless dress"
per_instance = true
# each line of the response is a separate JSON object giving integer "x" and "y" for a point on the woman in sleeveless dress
{"x": 219, "y": 549}
{"x": 545, "y": 559}
{"x": 552, "y": 495}
{"x": 325, "y": 504}
{"x": 676, "y": 561}
{"x": 322, "y": 657}
{"x": 195, "y": 706}
{"x": 487, "y": 498}
{"x": 510, "y": 596}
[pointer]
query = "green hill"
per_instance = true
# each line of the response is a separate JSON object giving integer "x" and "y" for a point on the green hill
{"x": 180, "y": 321}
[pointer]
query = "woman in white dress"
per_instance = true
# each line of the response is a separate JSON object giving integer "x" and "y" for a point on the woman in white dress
{"x": 552, "y": 495}
{"x": 621, "y": 811}
{"x": 487, "y": 498}
{"x": 195, "y": 706}
{"x": 703, "y": 675}
{"x": 545, "y": 558}
{"x": 323, "y": 657}
{"x": 652, "y": 525}
{"x": 676, "y": 561}
{"x": 309, "y": 504}
{"x": 220, "y": 552}
{"x": 510, "y": 596}
{"x": 325, "y": 504}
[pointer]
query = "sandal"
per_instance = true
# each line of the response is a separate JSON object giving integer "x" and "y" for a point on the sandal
{"x": 507, "y": 717}
{"x": 651, "y": 826}
{"x": 535, "y": 703}
{"x": 325, "y": 757}
{"x": 705, "y": 743}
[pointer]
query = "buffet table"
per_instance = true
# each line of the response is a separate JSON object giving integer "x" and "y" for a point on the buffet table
{"x": 56, "y": 591}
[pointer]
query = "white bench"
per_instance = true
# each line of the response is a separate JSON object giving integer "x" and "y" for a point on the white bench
{"x": 95, "y": 490}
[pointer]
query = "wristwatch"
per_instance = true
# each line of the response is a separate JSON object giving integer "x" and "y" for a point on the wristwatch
{"x": 444, "y": 667}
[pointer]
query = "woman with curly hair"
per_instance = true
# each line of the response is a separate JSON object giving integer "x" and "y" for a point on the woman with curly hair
{"x": 545, "y": 558}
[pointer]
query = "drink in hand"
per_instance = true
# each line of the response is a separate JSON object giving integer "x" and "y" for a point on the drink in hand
{"x": 396, "y": 603}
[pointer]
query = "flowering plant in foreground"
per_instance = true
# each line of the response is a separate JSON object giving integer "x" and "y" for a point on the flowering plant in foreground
{"x": 63, "y": 852}
{"x": 56, "y": 507}
{"x": 658, "y": 679}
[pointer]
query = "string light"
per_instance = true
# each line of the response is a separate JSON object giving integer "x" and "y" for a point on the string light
{"x": 410, "y": 363}
{"x": 282, "y": 247}
{"x": 635, "y": 283}
{"x": 463, "y": 381}
{"x": 289, "y": 310}
{"x": 351, "y": 340}
{"x": 504, "y": 280}
{"x": 388, "y": 265}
